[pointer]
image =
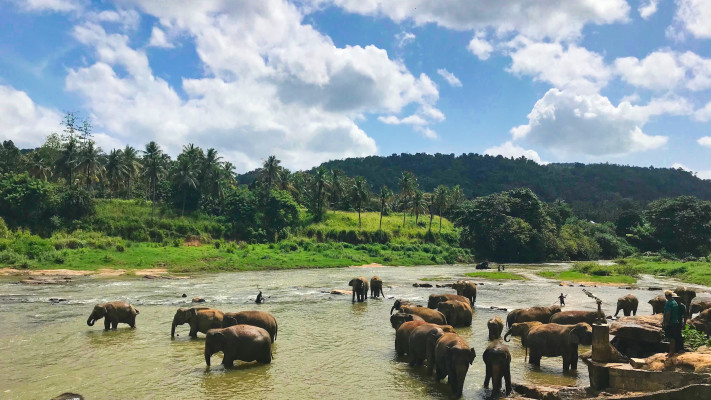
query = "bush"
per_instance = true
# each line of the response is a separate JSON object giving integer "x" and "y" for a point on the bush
{"x": 120, "y": 248}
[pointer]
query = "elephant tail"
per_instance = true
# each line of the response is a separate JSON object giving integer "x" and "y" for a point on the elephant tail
{"x": 276, "y": 330}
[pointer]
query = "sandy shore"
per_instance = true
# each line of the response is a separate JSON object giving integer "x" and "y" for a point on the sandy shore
{"x": 108, "y": 272}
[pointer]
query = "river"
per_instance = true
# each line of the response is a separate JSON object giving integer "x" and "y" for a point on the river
{"x": 326, "y": 346}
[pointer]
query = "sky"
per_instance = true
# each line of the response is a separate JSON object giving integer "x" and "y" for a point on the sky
{"x": 619, "y": 81}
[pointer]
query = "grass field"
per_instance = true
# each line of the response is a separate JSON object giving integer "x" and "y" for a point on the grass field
{"x": 575, "y": 276}
{"x": 392, "y": 224}
{"x": 696, "y": 272}
{"x": 495, "y": 275}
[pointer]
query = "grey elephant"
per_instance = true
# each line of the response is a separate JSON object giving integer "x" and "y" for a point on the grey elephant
{"x": 113, "y": 312}
{"x": 239, "y": 342}
{"x": 399, "y": 303}
{"x": 657, "y": 304}
{"x": 467, "y": 289}
{"x": 422, "y": 340}
{"x": 431, "y": 316}
{"x": 402, "y": 336}
{"x": 699, "y": 304}
{"x": 400, "y": 318}
{"x": 261, "y": 319}
{"x": 574, "y": 316}
{"x": 497, "y": 359}
{"x": 521, "y": 329}
{"x": 555, "y": 340}
{"x": 435, "y": 299}
{"x": 628, "y": 304}
{"x": 540, "y": 314}
{"x": 376, "y": 287}
{"x": 495, "y": 326}
{"x": 360, "y": 289}
{"x": 200, "y": 319}
{"x": 686, "y": 294}
{"x": 457, "y": 313}
{"x": 453, "y": 356}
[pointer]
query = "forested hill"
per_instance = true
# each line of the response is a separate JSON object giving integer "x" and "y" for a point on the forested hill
{"x": 592, "y": 189}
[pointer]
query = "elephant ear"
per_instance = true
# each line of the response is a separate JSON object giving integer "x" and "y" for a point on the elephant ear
{"x": 350, "y": 283}
{"x": 575, "y": 332}
{"x": 100, "y": 309}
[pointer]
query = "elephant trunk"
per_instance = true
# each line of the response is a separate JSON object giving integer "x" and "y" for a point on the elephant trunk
{"x": 506, "y": 336}
{"x": 172, "y": 329}
{"x": 392, "y": 309}
{"x": 90, "y": 321}
{"x": 208, "y": 354}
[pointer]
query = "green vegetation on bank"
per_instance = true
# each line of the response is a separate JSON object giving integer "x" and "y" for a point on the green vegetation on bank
{"x": 574, "y": 276}
{"x": 496, "y": 275}
{"x": 696, "y": 271}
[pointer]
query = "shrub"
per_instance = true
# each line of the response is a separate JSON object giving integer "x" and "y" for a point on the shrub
{"x": 120, "y": 248}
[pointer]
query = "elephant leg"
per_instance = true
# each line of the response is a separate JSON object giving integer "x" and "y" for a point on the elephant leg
{"x": 228, "y": 361}
{"x": 617, "y": 312}
{"x": 487, "y": 377}
{"x": 353, "y": 297}
{"x": 634, "y": 312}
{"x": 193, "y": 331}
{"x": 413, "y": 359}
{"x": 107, "y": 324}
{"x": 534, "y": 358}
{"x": 114, "y": 324}
{"x": 132, "y": 322}
{"x": 574, "y": 360}
{"x": 507, "y": 379}
{"x": 566, "y": 362}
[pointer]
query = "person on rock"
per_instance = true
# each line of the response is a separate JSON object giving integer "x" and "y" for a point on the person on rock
{"x": 672, "y": 323}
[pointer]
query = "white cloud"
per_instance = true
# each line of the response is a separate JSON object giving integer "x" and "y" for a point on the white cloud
{"x": 158, "y": 39}
{"x": 449, "y": 77}
{"x": 23, "y": 121}
{"x": 703, "y": 114}
{"x": 699, "y": 71}
{"x": 538, "y": 19}
{"x": 509, "y": 149}
{"x": 704, "y": 141}
{"x": 703, "y": 174}
{"x": 694, "y": 16}
{"x": 128, "y": 19}
{"x": 272, "y": 85}
{"x": 480, "y": 47}
{"x": 50, "y": 5}
{"x": 647, "y": 8}
{"x": 567, "y": 124}
{"x": 404, "y": 38}
{"x": 572, "y": 67}
{"x": 657, "y": 71}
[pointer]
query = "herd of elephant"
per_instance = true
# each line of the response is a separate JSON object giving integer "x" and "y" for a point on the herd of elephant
{"x": 422, "y": 333}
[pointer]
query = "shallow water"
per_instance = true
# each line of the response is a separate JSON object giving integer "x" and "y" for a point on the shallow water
{"x": 326, "y": 346}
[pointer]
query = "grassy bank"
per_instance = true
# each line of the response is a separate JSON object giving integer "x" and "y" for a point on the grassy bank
{"x": 495, "y": 275}
{"x": 697, "y": 272}
{"x": 574, "y": 276}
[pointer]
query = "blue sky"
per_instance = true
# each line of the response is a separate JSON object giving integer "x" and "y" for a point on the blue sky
{"x": 554, "y": 80}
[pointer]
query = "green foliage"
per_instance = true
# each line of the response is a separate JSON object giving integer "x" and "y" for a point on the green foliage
{"x": 695, "y": 339}
{"x": 4, "y": 232}
{"x": 496, "y": 275}
{"x": 575, "y": 276}
{"x": 26, "y": 202}
{"x": 681, "y": 225}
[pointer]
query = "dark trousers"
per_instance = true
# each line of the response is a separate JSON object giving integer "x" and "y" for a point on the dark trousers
{"x": 673, "y": 331}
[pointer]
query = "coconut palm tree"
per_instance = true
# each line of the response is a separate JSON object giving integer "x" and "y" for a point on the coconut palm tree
{"x": 38, "y": 167}
{"x": 361, "y": 193}
{"x": 185, "y": 177}
{"x": 321, "y": 184}
{"x": 384, "y": 197}
{"x": 210, "y": 174}
{"x": 68, "y": 160}
{"x": 456, "y": 196}
{"x": 270, "y": 171}
{"x": 440, "y": 202}
{"x": 153, "y": 170}
{"x": 132, "y": 166}
{"x": 89, "y": 163}
{"x": 115, "y": 170}
{"x": 418, "y": 204}
{"x": 408, "y": 185}
{"x": 336, "y": 187}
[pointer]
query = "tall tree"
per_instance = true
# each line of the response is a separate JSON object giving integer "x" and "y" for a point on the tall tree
{"x": 38, "y": 166}
{"x": 185, "y": 177}
{"x": 336, "y": 187}
{"x": 68, "y": 159}
{"x": 419, "y": 204}
{"x": 270, "y": 171}
{"x": 132, "y": 166}
{"x": 89, "y": 163}
{"x": 384, "y": 198}
{"x": 361, "y": 193}
{"x": 407, "y": 184}
{"x": 115, "y": 170}
{"x": 153, "y": 170}
{"x": 440, "y": 202}
{"x": 320, "y": 181}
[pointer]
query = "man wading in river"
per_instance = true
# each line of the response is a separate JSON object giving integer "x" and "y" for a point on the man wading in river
{"x": 672, "y": 323}
{"x": 562, "y": 300}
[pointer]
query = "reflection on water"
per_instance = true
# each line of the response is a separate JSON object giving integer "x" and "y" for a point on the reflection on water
{"x": 326, "y": 346}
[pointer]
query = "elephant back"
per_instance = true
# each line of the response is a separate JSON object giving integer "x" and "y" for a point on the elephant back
{"x": 574, "y": 317}
{"x": 259, "y": 319}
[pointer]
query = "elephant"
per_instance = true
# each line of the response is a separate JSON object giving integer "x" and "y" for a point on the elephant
{"x": 114, "y": 312}
{"x": 699, "y": 304}
{"x": 261, "y": 319}
{"x": 702, "y": 322}
{"x": 435, "y": 299}
{"x": 239, "y": 342}
{"x": 69, "y": 396}
{"x": 521, "y": 329}
{"x": 420, "y": 340}
{"x": 686, "y": 294}
{"x": 376, "y": 287}
{"x": 466, "y": 289}
{"x": 554, "y": 340}
{"x": 453, "y": 356}
{"x": 628, "y": 304}
{"x": 497, "y": 359}
{"x": 431, "y": 316}
{"x": 402, "y": 336}
{"x": 540, "y": 314}
{"x": 574, "y": 317}
{"x": 360, "y": 288}
{"x": 200, "y": 319}
{"x": 400, "y": 318}
{"x": 496, "y": 326}
{"x": 399, "y": 303}
{"x": 657, "y": 304}
{"x": 457, "y": 313}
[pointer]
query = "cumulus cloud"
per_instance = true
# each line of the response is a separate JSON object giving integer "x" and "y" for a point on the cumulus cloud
{"x": 404, "y": 38}
{"x": 23, "y": 121}
{"x": 647, "y": 8}
{"x": 128, "y": 19}
{"x": 480, "y": 47}
{"x": 158, "y": 39}
{"x": 538, "y": 19}
{"x": 508, "y": 149}
{"x": 50, "y": 5}
{"x": 659, "y": 70}
{"x": 704, "y": 141}
{"x": 565, "y": 67}
{"x": 694, "y": 16}
{"x": 449, "y": 77}
{"x": 272, "y": 85}
{"x": 572, "y": 124}
{"x": 703, "y": 114}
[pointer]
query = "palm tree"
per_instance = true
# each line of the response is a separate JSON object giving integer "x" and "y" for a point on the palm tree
{"x": 440, "y": 202}
{"x": 385, "y": 195}
{"x": 407, "y": 184}
{"x": 185, "y": 177}
{"x": 153, "y": 169}
{"x": 89, "y": 163}
{"x": 320, "y": 181}
{"x": 38, "y": 166}
{"x": 210, "y": 174}
{"x": 419, "y": 204}
{"x": 270, "y": 171}
{"x": 336, "y": 187}
{"x": 228, "y": 173}
{"x": 68, "y": 160}
{"x": 115, "y": 170}
{"x": 361, "y": 193}
{"x": 132, "y": 167}
{"x": 456, "y": 196}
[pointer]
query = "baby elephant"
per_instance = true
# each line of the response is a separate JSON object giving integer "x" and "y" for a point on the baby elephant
{"x": 239, "y": 342}
{"x": 114, "y": 312}
{"x": 498, "y": 365}
{"x": 496, "y": 326}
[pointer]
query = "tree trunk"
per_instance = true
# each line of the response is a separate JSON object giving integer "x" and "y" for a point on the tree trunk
{"x": 431, "y": 217}
{"x": 183, "y": 212}
{"x": 440, "y": 222}
{"x": 359, "y": 225}
{"x": 381, "y": 219}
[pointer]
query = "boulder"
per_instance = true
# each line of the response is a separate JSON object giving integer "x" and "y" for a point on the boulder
{"x": 702, "y": 322}
{"x": 342, "y": 292}
{"x": 685, "y": 362}
{"x": 422, "y": 285}
{"x": 645, "y": 328}
{"x": 699, "y": 304}
{"x": 46, "y": 280}
{"x": 198, "y": 300}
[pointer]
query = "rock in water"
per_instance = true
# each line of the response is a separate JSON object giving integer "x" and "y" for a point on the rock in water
{"x": 342, "y": 292}
{"x": 646, "y": 328}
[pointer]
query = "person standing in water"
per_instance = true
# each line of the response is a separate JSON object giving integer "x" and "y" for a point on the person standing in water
{"x": 260, "y": 298}
{"x": 562, "y": 299}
